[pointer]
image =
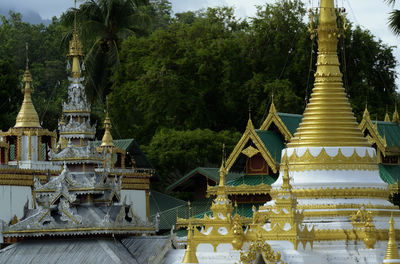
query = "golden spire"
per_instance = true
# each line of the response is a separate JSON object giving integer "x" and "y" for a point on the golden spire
{"x": 387, "y": 118}
{"x": 107, "y": 140}
{"x": 75, "y": 50}
{"x": 222, "y": 204}
{"x": 366, "y": 113}
{"x": 328, "y": 119}
{"x": 396, "y": 117}
{"x": 272, "y": 108}
{"x": 222, "y": 174}
{"x": 190, "y": 253}
{"x": 27, "y": 116}
{"x": 392, "y": 252}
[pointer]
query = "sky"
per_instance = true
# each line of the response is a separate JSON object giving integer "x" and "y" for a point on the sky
{"x": 369, "y": 14}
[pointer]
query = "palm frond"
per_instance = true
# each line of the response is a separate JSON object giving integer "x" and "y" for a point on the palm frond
{"x": 394, "y": 21}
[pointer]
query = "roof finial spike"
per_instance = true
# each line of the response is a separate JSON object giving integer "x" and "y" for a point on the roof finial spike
{"x": 249, "y": 122}
{"x": 387, "y": 118}
{"x": 107, "y": 140}
{"x": 366, "y": 113}
{"x": 272, "y": 107}
{"x": 396, "y": 117}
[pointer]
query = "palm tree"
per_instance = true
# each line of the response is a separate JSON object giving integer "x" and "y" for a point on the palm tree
{"x": 103, "y": 25}
{"x": 394, "y": 18}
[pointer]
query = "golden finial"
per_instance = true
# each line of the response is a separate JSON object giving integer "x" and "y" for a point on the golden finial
{"x": 396, "y": 117}
{"x": 222, "y": 170}
{"x": 27, "y": 116}
{"x": 392, "y": 252}
{"x": 387, "y": 118}
{"x": 190, "y": 253}
{"x": 272, "y": 108}
{"x": 328, "y": 118}
{"x": 249, "y": 122}
{"x": 107, "y": 140}
{"x": 366, "y": 113}
{"x": 75, "y": 49}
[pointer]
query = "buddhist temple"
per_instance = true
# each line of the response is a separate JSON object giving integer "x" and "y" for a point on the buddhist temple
{"x": 311, "y": 188}
{"x": 73, "y": 188}
{"x": 330, "y": 180}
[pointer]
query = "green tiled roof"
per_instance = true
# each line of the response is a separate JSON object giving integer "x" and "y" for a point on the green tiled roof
{"x": 160, "y": 202}
{"x": 120, "y": 143}
{"x": 252, "y": 180}
{"x": 391, "y": 131}
{"x": 168, "y": 217}
{"x": 245, "y": 209}
{"x": 273, "y": 142}
{"x": 291, "y": 121}
{"x": 389, "y": 173}
{"x": 211, "y": 173}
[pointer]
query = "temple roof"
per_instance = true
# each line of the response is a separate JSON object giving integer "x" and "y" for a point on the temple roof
{"x": 210, "y": 173}
{"x": 390, "y": 131}
{"x": 291, "y": 121}
{"x": 273, "y": 142}
{"x": 134, "y": 250}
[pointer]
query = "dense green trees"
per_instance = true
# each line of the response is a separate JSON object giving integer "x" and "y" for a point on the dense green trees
{"x": 103, "y": 25}
{"x": 47, "y": 58}
{"x": 179, "y": 151}
{"x": 182, "y": 85}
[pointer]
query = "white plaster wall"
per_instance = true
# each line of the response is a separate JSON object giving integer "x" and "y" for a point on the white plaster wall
{"x": 24, "y": 148}
{"x": 138, "y": 198}
{"x": 13, "y": 200}
{"x": 34, "y": 144}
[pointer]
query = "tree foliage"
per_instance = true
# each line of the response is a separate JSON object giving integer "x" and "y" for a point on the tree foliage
{"x": 179, "y": 151}
{"x": 182, "y": 84}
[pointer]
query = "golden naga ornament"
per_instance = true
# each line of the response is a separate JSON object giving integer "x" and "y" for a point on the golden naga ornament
{"x": 260, "y": 250}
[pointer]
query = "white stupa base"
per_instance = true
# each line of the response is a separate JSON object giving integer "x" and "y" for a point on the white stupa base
{"x": 326, "y": 252}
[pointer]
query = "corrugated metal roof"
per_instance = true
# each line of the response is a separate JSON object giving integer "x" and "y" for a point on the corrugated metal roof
{"x": 142, "y": 248}
{"x": 391, "y": 131}
{"x": 253, "y": 180}
{"x": 67, "y": 251}
{"x": 389, "y": 173}
{"x": 160, "y": 202}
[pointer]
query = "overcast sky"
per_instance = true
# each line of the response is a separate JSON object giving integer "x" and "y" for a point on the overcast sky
{"x": 370, "y": 14}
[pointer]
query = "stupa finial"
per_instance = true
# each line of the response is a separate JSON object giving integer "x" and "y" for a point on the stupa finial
{"x": 387, "y": 118}
{"x": 107, "y": 140}
{"x": 27, "y": 116}
{"x": 75, "y": 49}
{"x": 328, "y": 118}
{"x": 396, "y": 117}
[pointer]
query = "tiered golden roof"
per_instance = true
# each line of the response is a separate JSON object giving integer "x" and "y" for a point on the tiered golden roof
{"x": 27, "y": 116}
{"x": 328, "y": 119}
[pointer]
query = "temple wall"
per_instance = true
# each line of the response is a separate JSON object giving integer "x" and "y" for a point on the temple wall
{"x": 13, "y": 200}
{"x": 138, "y": 198}
{"x": 25, "y": 148}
